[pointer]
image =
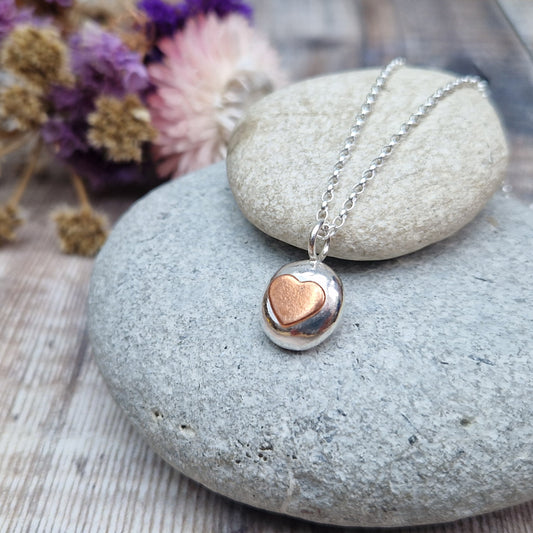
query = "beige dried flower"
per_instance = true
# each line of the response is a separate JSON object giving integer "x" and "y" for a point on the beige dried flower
{"x": 37, "y": 55}
{"x": 80, "y": 231}
{"x": 9, "y": 212}
{"x": 23, "y": 106}
{"x": 9, "y": 221}
{"x": 120, "y": 126}
{"x": 48, "y": 7}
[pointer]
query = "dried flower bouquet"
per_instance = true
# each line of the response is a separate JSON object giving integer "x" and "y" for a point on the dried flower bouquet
{"x": 122, "y": 100}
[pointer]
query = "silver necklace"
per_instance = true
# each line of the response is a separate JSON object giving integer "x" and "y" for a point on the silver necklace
{"x": 303, "y": 302}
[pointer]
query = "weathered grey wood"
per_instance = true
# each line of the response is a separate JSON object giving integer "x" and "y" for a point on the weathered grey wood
{"x": 520, "y": 15}
{"x": 69, "y": 460}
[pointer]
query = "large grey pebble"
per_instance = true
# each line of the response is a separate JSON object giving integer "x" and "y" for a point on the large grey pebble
{"x": 434, "y": 183}
{"x": 418, "y": 410}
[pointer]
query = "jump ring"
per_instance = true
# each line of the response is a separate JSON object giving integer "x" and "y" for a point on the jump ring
{"x": 317, "y": 253}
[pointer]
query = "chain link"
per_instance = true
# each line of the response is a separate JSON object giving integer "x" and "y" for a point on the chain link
{"x": 324, "y": 230}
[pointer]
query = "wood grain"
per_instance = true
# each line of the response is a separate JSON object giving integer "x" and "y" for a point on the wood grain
{"x": 69, "y": 459}
{"x": 520, "y": 15}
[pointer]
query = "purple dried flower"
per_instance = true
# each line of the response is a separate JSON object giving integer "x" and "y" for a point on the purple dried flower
{"x": 65, "y": 138}
{"x": 105, "y": 65}
{"x": 69, "y": 144}
{"x": 103, "y": 175}
{"x": 10, "y": 15}
{"x": 220, "y": 7}
{"x": 102, "y": 64}
{"x": 61, "y": 3}
{"x": 74, "y": 102}
{"x": 165, "y": 19}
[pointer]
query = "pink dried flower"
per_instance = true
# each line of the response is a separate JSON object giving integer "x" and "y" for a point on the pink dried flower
{"x": 211, "y": 72}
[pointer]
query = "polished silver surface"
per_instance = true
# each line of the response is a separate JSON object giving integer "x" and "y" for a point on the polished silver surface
{"x": 310, "y": 331}
{"x": 318, "y": 248}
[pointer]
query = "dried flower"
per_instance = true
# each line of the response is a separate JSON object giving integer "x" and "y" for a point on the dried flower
{"x": 211, "y": 72}
{"x": 74, "y": 101}
{"x": 80, "y": 231}
{"x": 64, "y": 138}
{"x": 23, "y": 107}
{"x": 165, "y": 19}
{"x": 61, "y": 3}
{"x": 11, "y": 15}
{"x": 121, "y": 127}
{"x": 9, "y": 217}
{"x": 37, "y": 55}
{"x": 47, "y": 6}
{"x": 9, "y": 221}
{"x": 55, "y": 9}
{"x": 221, "y": 8}
{"x": 68, "y": 140}
{"x": 103, "y": 64}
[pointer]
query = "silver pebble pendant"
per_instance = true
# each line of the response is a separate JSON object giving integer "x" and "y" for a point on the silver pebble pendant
{"x": 302, "y": 305}
{"x": 303, "y": 301}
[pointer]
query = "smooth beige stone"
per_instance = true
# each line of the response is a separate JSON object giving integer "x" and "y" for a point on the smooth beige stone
{"x": 436, "y": 181}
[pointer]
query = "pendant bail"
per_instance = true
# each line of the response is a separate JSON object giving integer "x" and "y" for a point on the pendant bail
{"x": 318, "y": 246}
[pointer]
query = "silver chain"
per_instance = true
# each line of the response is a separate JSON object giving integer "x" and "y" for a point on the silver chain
{"x": 324, "y": 230}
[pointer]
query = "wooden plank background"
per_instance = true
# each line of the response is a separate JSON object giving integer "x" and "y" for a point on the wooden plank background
{"x": 69, "y": 460}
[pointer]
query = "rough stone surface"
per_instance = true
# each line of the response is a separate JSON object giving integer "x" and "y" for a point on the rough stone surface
{"x": 417, "y": 410}
{"x": 434, "y": 183}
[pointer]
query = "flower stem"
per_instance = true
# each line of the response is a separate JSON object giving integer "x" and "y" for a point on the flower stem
{"x": 85, "y": 205}
{"x": 9, "y": 134}
{"x": 15, "y": 198}
{"x": 14, "y": 142}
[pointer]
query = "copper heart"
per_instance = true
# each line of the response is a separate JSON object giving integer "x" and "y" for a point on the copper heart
{"x": 293, "y": 301}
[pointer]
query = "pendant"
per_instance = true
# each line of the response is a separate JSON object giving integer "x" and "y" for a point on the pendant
{"x": 302, "y": 305}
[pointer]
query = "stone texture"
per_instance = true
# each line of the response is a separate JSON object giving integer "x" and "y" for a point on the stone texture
{"x": 417, "y": 410}
{"x": 435, "y": 182}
